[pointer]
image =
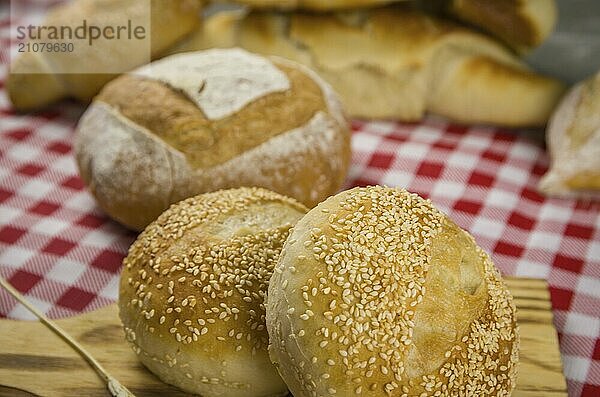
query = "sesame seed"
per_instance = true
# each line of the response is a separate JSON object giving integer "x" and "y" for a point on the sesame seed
{"x": 371, "y": 255}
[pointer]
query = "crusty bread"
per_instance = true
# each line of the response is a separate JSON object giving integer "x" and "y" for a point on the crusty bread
{"x": 377, "y": 293}
{"x": 395, "y": 62}
{"x": 573, "y": 138}
{"x": 522, "y": 24}
{"x": 193, "y": 287}
{"x": 200, "y": 122}
{"x": 40, "y": 78}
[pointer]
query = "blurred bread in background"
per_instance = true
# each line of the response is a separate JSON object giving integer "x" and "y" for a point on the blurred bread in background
{"x": 37, "y": 79}
{"x": 522, "y": 24}
{"x": 391, "y": 62}
{"x": 573, "y": 138}
{"x": 395, "y": 62}
{"x": 203, "y": 121}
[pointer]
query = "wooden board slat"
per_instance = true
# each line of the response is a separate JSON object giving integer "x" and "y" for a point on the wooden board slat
{"x": 36, "y": 362}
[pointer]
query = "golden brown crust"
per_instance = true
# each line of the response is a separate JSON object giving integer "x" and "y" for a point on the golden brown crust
{"x": 499, "y": 16}
{"x": 586, "y": 180}
{"x": 173, "y": 118}
{"x": 378, "y": 293}
{"x": 473, "y": 78}
{"x": 193, "y": 286}
{"x": 137, "y": 156}
{"x": 523, "y": 24}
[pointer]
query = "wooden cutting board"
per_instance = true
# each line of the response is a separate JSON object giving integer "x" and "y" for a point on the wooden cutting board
{"x": 36, "y": 362}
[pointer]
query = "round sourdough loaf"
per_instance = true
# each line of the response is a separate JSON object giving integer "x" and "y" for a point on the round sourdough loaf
{"x": 377, "y": 293}
{"x": 193, "y": 287}
{"x": 198, "y": 122}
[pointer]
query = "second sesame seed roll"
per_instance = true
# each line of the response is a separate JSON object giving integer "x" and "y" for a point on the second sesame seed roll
{"x": 378, "y": 293}
{"x": 193, "y": 288}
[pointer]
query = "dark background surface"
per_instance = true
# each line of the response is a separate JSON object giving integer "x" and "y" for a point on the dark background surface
{"x": 572, "y": 53}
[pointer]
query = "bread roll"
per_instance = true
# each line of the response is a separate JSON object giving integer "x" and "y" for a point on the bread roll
{"x": 316, "y": 5}
{"x": 377, "y": 293}
{"x": 192, "y": 292}
{"x": 39, "y": 78}
{"x": 200, "y": 122}
{"x": 395, "y": 62}
{"x": 522, "y": 24}
{"x": 573, "y": 138}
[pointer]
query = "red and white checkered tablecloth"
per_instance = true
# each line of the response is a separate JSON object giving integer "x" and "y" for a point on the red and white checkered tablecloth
{"x": 64, "y": 254}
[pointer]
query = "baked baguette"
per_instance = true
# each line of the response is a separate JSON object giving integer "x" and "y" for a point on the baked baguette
{"x": 377, "y": 293}
{"x": 573, "y": 138}
{"x": 395, "y": 62}
{"x": 38, "y": 79}
{"x": 192, "y": 292}
{"x": 199, "y": 122}
{"x": 522, "y": 24}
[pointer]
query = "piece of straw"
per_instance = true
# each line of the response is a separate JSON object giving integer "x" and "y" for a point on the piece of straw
{"x": 115, "y": 388}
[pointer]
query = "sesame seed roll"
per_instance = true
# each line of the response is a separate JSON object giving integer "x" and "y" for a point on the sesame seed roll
{"x": 193, "y": 288}
{"x": 378, "y": 293}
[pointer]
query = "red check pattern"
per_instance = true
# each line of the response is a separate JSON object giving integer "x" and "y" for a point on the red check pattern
{"x": 64, "y": 254}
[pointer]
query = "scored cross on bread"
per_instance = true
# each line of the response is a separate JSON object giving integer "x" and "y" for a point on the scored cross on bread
{"x": 199, "y": 122}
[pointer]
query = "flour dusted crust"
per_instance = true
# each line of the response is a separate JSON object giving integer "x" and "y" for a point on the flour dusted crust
{"x": 401, "y": 63}
{"x": 377, "y": 293}
{"x": 129, "y": 171}
{"x": 219, "y": 85}
{"x": 573, "y": 138}
{"x": 144, "y": 144}
{"x": 311, "y": 142}
{"x": 192, "y": 292}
